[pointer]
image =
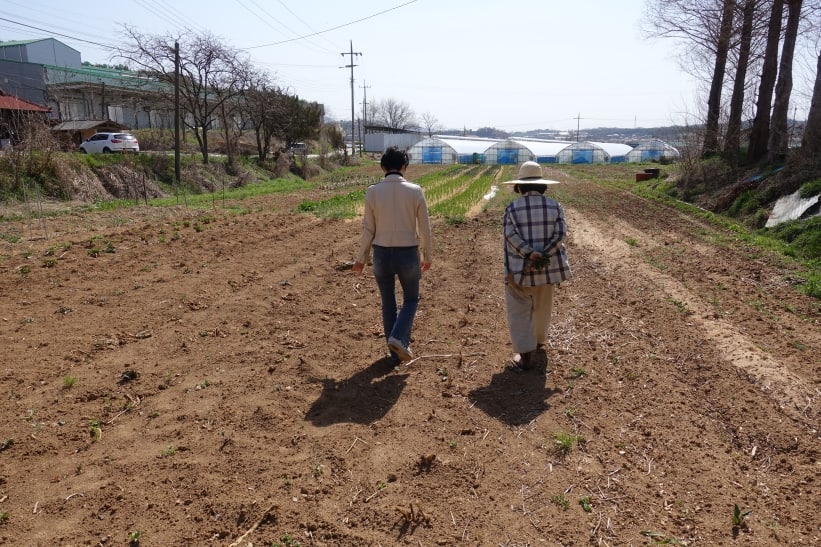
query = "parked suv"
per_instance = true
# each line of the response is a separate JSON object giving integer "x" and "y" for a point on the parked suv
{"x": 110, "y": 142}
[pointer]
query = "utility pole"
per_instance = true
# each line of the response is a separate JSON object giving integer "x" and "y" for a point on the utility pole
{"x": 352, "y": 53}
{"x": 104, "y": 110}
{"x": 177, "y": 115}
{"x": 364, "y": 115}
{"x": 578, "y": 124}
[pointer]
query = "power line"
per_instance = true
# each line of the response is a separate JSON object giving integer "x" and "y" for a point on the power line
{"x": 333, "y": 28}
{"x": 281, "y": 3}
{"x": 280, "y": 27}
{"x": 17, "y": 15}
{"x": 107, "y": 46}
{"x": 166, "y": 13}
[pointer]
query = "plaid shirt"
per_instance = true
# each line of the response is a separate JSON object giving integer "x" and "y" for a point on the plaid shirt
{"x": 535, "y": 223}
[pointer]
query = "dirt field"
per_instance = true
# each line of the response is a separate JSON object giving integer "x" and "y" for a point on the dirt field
{"x": 181, "y": 377}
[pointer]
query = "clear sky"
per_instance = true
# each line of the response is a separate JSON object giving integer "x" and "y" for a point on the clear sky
{"x": 515, "y": 64}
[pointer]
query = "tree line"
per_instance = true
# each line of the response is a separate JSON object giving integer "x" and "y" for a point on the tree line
{"x": 745, "y": 50}
{"x": 218, "y": 87}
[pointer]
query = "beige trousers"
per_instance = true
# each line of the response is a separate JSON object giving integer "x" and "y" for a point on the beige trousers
{"x": 528, "y": 314}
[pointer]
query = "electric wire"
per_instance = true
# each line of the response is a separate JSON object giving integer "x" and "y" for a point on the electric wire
{"x": 301, "y": 20}
{"x": 333, "y": 28}
{"x": 280, "y": 27}
{"x": 107, "y": 46}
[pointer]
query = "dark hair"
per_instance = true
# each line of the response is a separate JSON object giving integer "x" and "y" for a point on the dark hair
{"x": 394, "y": 159}
{"x": 525, "y": 188}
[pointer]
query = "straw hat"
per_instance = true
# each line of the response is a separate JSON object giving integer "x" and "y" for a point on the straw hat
{"x": 531, "y": 173}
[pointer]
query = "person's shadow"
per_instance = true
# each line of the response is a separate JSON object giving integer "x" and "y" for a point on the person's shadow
{"x": 363, "y": 398}
{"x": 514, "y": 397}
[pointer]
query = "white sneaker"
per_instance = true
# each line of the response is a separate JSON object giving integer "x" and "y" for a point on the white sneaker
{"x": 405, "y": 354}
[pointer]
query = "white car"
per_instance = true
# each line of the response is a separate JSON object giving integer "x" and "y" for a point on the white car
{"x": 107, "y": 143}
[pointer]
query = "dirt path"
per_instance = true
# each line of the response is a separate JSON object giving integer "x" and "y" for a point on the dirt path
{"x": 682, "y": 379}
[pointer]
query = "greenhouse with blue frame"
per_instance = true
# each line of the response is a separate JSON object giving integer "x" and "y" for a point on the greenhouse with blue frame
{"x": 653, "y": 150}
{"x": 594, "y": 152}
{"x": 517, "y": 151}
{"x": 447, "y": 150}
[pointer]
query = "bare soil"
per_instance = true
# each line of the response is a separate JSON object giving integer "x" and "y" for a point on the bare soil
{"x": 179, "y": 377}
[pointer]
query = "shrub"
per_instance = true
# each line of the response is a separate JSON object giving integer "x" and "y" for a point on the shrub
{"x": 810, "y": 189}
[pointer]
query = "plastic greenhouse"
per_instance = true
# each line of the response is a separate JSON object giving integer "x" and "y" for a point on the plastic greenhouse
{"x": 447, "y": 150}
{"x": 653, "y": 150}
{"x": 594, "y": 152}
{"x": 515, "y": 151}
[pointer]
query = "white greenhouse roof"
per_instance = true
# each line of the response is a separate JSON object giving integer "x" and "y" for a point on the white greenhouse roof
{"x": 543, "y": 148}
{"x": 654, "y": 144}
{"x": 615, "y": 149}
{"x": 461, "y": 146}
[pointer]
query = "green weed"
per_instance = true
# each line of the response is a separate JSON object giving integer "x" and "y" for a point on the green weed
{"x": 565, "y": 441}
{"x": 739, "y": 516}
{"x": 98, "y": 245}
{"x": 577, "y": 372}
{"x": 69, "y": 382}
{"x": 681, "y": 306}
{"x": 286, "y": 541}
{"x": 95, "y": 430}
{"x": 561, "y": 501}
{"x": 585, "y": 503}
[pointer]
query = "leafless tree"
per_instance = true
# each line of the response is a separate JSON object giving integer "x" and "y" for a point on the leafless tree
{"x": 811, "y": 142}
{"x": 394, "y": 114}
{"x": 232, "y": 109}
{"x": 430, "y": 123}
{"x": 706, "y": 31}
{"x": 759, "y": 134}
{"x": 693, "y": 23}
{"x": 711, "y": 127}
{"x": 274, "y": 114}
{"x": 30, "y": 159}
{"x": 732, "y": 140}
{"x": 779, "y": 125}
{"x": 263, "y": 107}
{"x": 211, "y": 74}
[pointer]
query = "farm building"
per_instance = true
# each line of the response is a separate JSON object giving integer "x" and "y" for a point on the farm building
{"x": 653, "y": 150}
{"x": 50, "y": 73}
{"x": 377, "y": 139}
{"x": 515, "y": 151}
{"x": 593, "y": 152}
{"x": 15, "y": 113}
{"x": 446, "y": 150}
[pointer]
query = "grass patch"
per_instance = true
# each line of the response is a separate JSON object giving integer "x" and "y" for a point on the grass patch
{"x": 343, "y": 206}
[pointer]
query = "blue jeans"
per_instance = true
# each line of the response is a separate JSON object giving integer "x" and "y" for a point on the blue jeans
{"x": 388, "y": 264}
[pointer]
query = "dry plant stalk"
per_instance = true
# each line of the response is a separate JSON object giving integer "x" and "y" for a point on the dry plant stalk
{"x": 413, "y": 514}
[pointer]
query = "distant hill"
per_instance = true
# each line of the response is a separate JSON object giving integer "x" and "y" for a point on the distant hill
{"x": 632, "y": 135}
